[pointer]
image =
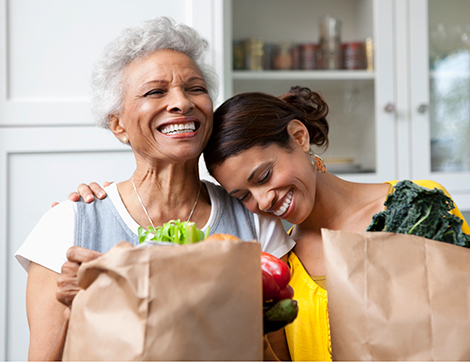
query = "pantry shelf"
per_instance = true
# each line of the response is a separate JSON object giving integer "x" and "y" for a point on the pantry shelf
{"x": 303, "y": 75}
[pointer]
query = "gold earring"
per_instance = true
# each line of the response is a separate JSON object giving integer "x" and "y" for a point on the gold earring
{"x": 318, "y": 162}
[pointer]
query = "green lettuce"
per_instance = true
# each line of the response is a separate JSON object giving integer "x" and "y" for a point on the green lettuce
{"x": 174, "y": 231}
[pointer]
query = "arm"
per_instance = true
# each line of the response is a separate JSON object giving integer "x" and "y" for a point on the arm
{"x": 45, "y": 314}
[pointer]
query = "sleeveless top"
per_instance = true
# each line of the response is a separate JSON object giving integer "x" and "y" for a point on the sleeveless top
{"x": 308, "y": 337}
{"x": 100, "y": 227}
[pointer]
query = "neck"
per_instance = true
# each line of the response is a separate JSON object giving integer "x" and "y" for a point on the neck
{"x": 166, "y": 195}
{"x": 333, "y": 198}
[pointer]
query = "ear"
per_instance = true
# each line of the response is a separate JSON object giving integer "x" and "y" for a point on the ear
{"x": 117, "y": 127}
{"x": 299, "y": 134}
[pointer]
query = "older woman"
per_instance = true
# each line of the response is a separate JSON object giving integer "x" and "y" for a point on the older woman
{"x": 153, "y": 91}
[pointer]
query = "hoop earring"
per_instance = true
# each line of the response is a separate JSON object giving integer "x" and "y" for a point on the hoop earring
{"x": 318, "y": 162}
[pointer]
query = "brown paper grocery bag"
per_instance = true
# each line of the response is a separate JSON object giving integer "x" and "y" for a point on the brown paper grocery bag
{"x": 397, "y": 297}
{"x": 194, "y": 302}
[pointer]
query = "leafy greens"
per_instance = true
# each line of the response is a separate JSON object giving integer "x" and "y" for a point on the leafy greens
{"x": 174, "y": 231}
{"x": 416, "y": 210}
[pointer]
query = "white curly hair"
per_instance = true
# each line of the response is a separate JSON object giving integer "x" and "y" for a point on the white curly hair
{"x": 138, "y": 42}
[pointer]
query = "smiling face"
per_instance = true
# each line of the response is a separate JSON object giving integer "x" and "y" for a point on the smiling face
{"x": 167, "y": 112}
{"x": 272, "y": 180}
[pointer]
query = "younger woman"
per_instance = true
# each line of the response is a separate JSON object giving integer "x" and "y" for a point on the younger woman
{"x": 260, "y": 151}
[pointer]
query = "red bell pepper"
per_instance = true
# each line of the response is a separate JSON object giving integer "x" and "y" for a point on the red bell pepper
{"x": 276, "y": 277}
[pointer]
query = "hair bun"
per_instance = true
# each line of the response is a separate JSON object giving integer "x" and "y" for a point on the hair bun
{"x": 306, "y": 101}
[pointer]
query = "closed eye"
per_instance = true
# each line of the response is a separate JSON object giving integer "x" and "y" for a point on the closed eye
{"x": 154, "y": 92}
{"x": 265, "y": 176}
{"x": 199, "y": 90}
{"x": 245, "y": 197}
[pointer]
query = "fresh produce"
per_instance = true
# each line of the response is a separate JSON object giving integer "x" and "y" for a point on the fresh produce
{"x": 220, "y": 236}
{"x": 174, "y": 231}
{"x": 276, "y": 277}
{"x": 279, "y": 308}
{"x": 416, "y": 210}
{"x": 279, "y": 314}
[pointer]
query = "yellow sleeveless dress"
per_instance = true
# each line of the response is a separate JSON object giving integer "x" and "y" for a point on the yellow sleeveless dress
{"x": 308, "y": 337}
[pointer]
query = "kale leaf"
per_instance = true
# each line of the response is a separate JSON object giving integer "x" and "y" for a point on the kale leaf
{"x": 416, "y": 210}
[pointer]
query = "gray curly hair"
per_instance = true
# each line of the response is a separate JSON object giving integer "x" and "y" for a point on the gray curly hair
{"x": 138, "y": 42}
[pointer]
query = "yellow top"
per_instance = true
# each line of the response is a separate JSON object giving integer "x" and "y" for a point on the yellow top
{"x": 308, "y": 337}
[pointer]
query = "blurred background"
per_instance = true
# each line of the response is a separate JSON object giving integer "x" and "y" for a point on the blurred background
{"x": 395, "y": 73}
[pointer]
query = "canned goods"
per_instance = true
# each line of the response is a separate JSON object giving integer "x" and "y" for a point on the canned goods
{"x": 238, "y": 55}
{"x": 308, "y": 56}
{"x": 283, "y": 59}
{"x": 269, "y": 53}
{"x": 354, "y": 55}
{"x": 254, "y": 54}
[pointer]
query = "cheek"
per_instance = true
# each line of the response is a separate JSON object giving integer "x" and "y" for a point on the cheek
{"x": 208, "y": 109}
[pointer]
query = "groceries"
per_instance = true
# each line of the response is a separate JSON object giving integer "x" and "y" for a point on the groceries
{"x": 279, "y": 309}
{"x": 174, "y": 231}
{"x": 416, "y": 210}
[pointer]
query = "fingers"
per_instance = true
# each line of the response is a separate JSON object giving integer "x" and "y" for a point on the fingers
{"x": 80, "y": 255}
{"x": 97, "y": 190}
{"x": 107, "y": 183}
{"x": 85, "y": 192}
{"x": 74, "y": 196}
{"x": 67, "y": 283}
{"x": 88, "y": 192}
{"x": 55, "y": 203}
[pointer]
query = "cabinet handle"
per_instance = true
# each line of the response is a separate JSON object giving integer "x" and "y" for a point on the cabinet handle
{"x": 389, "y": 108}
{"x": 423, "y": 108}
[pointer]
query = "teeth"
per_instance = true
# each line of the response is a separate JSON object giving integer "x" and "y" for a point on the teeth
{"x": 285, "y": 205}
{"x": 178, "y": 128}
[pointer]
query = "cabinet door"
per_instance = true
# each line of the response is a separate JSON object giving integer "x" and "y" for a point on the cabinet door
{"x": 440, "y": 94}
{"x": 48, "y": 47}
{"x": 361, "y": 101}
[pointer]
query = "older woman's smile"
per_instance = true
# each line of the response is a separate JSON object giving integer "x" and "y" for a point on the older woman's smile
{"x": 179, "y": 128}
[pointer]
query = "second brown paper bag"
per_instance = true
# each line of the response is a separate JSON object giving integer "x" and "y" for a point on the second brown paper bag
{"x": 195, "y": 302}
{"x": 397, "y": 297}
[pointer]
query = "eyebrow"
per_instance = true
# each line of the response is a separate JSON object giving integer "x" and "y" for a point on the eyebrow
{"x": 163, "y": 81}
{"x": 250, "y": 177}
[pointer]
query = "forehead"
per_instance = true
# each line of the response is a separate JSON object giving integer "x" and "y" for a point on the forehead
{"x": 164, "y": 64}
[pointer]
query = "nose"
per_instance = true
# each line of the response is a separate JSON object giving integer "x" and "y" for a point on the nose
{"x": 178, "y": 101}
{"x": 265, "y": 199}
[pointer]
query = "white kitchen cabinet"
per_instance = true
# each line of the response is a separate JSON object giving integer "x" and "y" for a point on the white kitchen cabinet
{"x": 386, "y": 123}
{"x": 439, "y": 108}
{"x": 362, "y": 121}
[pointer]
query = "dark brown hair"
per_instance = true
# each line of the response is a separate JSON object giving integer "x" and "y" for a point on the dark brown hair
{"x": 258, "y": 119}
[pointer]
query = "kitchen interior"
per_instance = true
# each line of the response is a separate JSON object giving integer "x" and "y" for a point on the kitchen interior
{"x": 395, "y": 73}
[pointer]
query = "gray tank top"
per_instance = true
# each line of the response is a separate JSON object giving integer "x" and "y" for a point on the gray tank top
{"x": 100, "y": 227}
